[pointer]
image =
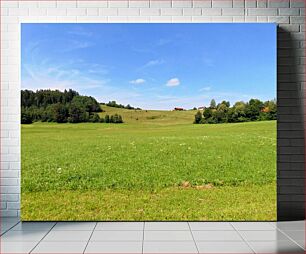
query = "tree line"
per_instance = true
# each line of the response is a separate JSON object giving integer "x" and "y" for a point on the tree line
{"x": 253, "y": 110}
{"x": 114, "y": 104}
{"x": 61, "y": 107}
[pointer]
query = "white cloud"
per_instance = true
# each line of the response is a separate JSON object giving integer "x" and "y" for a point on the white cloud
{"x": 153, "y": 62}
{"x": 137, "y": 81}
{"x": 206, "y": 89}
{"x": 173, "y": 82}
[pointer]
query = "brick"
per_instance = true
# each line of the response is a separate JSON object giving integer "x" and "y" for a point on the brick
{"x": 238, "y": 3}
{"x": 13, "y": 205}
{"x": 238, "y": 19}
{"x": 108, "y": 11}
{"x": 10, "y": 213}
{"x": 250, "y": 3}
{"x": 57, "y": 12}
{"x": 262, "y": 4}
{"x": 181, "y": 3}
{"x": 92, "y": 4}
{"x": 262, "y": 12}
{"x": 262, "y": 19}
{"x": 160, "y": 3}
{"x": 9, "y": 173}
{"x": 181, "y": 19}
{"x": 192, "y": 11}
{"x": 3, "y": 205}
{"x": 160, "y": 19}
{"x": 92, "y": 11}
{"x": 222, "y": 3}
{"x": 47, "y": 4}
{"x": 202, "y": 3}
{"x": 76, "y": 12}
{"x": 9, "y": 181}
{"x": 117, "y": 19}
{"x": 201, "y": 19}
{"x": 9, "y": 197}
{"x": 9, "y": 4}
{"x": 222, "y": 19}
{"x": 279, "y": 19}
{"x": 251, "y": 19}
{"x": 38, "y": 11}
{"x": 297, "y": 3}
{"x": 138, "y": 19}
{"x": 18, "y": 12}
{"x": 10, "y": 189}
{"x": 128, "y": 12}
{"x": 297, "y": 20}
{"x": 278, "y": 3}
{"x": 211, "y": 11}
{"x": 139, "y": 4}
{"x": 289, "y": 11}
{"x": 172, "y": 11}
{"x": 118, "y": 4}
{"x": 66, "y": 4}
{"x": 150, "y": 12}
{"x": 233, "y": 12}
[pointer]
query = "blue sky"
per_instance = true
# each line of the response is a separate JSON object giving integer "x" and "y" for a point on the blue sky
{"x": 152, "y": 66}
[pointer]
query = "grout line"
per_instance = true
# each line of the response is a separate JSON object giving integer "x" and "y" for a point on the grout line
{"x": 290, "y": 238}
{"x": 143, "y": 232}
{"x": 90, "y": 237}
{"x": 193, "y": 238}
{"x": 43, "y": 237}
{"x": 10, "y": 228}
{"x": 247, "y": 243}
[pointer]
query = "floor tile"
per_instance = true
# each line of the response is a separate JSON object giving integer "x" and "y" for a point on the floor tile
{"x": 33, "y": 226}
{"x": 211, "y": 226}
{"x": 22, "y": 236}
{"x": 216, "y": 236}
{"x": 119, "y": 226}
{"x": 69, "y": 236}
{"x": 223, "y": 247}
{"x": 253, "y": 226}
{"x": 168, "y": 236}
{"x": 60, "y": 247}
{"x": 114, "y": 247}
{"x": 17, "y": 247}
{"x": 166, "y": 226}
{"x": 273, "y": 235}
{"x": 291, "y": 225}
{"x": 169, "y": 247}
{"x": 63, "y": 226}
{"x": 276, "y": 247}
{"x": 101, "y": 236}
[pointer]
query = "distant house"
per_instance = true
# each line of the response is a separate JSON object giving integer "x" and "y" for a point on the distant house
{"x": 178, "y": 109}
{"x": 201, "y": 108}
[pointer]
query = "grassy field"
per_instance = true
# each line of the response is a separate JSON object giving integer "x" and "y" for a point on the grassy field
{"x": 155, "y": 166}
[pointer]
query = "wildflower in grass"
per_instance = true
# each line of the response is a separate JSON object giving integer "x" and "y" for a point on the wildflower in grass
{"x": 59, "y": 170}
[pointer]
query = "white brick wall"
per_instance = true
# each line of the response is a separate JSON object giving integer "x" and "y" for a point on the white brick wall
{"x": 288, "y": 13}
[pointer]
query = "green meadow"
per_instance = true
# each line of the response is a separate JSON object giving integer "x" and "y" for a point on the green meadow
{"x": 157, "y": 165}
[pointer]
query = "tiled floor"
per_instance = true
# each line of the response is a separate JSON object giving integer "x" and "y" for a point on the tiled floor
{"x": 152, "y": 237}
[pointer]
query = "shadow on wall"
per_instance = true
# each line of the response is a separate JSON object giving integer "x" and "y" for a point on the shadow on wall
{"x": 290, "y": 129}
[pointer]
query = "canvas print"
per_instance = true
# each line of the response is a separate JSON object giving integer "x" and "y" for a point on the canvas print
{"x": 148, "y": 122}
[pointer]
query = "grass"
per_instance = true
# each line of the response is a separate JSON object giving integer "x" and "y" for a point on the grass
{"x": 159, "y": 167}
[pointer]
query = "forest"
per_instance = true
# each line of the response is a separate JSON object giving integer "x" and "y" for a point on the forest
{"x": 61, "y": 107}
{"x": 253, "y": 110}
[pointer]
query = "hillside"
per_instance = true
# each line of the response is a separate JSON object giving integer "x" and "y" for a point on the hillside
{"x": 151, "y": 116}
